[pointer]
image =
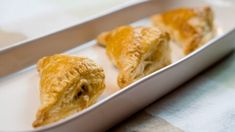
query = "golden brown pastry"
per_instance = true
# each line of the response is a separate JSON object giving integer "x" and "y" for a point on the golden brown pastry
{"x": 136, "y": 51}
{"x": 68, "y": 84}
{"x": 191, "y": 27}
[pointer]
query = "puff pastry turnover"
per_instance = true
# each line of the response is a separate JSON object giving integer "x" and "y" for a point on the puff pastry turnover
{"x": 68, "y": 84}
{"x": 190, "y": 27}
{"x": 136, "y": 51}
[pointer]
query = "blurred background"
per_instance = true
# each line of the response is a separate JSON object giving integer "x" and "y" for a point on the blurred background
{"x": 27, "y": 19}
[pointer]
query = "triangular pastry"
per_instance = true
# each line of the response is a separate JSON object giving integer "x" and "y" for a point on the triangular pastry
{"x": 190, "y": 27}
{"x": 136, "y": 51}
{"x": 68, "y": 84}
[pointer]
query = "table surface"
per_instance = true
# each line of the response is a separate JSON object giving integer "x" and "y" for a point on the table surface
{"x": 205, "y": 103}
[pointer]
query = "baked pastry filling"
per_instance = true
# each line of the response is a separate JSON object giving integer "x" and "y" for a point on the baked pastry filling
{"x": 68, "y": 84}
{"x": 190, "y": 27}
{"x": 136, "y": 51}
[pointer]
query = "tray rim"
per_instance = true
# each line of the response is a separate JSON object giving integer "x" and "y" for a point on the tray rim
{"x": 85, "y": 20}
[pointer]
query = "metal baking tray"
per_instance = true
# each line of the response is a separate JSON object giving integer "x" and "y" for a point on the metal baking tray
{"x": 19, "y": 88}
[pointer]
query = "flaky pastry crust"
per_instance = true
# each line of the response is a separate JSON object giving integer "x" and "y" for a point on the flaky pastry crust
{"x": 68, "y": 84}
{"x": 190, "y": 27}
{"x": 136, "y": 51}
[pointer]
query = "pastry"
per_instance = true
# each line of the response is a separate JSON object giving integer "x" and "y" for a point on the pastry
{"x": 136, "y": 51}
{"x": 68, "y": 84}
{"x": 190, "y": 27}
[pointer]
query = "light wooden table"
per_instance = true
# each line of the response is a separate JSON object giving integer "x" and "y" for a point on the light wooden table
{"x": 206, "y": 103}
